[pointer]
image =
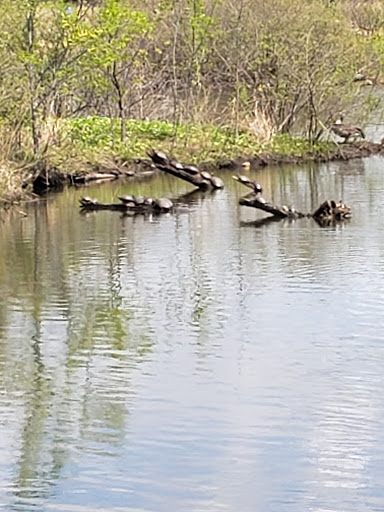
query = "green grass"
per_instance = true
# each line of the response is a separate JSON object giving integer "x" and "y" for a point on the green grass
{"x": 87, "y": 142}
{"x": 195, "y": 143}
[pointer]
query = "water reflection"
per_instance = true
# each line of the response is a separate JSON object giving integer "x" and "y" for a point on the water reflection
{"x": 202, "y": 360}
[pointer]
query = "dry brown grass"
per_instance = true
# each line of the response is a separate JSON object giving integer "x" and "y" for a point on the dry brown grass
{"x": 261, "y": 125}
{"x": 11, "y": 184}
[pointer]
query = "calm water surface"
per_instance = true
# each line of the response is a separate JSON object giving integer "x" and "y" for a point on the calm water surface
{"x": 195, "y": 361}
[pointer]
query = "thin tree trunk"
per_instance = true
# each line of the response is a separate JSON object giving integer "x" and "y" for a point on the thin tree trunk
{"x": 120, "y": 102}
{"x": 32, "y": 84}
{"x": 123, "y": 124}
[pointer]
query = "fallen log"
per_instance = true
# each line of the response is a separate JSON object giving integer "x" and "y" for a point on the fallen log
{"x": 283, "y": 212}
{"x": 329, "y": 211}
{"x": 189, "y": 173}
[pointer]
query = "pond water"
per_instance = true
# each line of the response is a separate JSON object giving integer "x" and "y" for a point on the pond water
{"x": 195, "y": 361}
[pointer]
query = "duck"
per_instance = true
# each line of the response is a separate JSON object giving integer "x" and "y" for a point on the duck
{"x": 345, "y": 131}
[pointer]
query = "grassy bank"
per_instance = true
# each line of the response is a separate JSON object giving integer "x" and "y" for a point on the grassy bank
{"x": 81, "y": 145}
{"x": 188, "y": 142}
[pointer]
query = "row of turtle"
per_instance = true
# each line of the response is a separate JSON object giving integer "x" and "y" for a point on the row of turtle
{"x": 190, "y": 173}
{"x": 129, "y": 203}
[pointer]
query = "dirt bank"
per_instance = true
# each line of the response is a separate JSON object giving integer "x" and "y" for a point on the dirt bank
{"x": 351, "y": 151}
{"x": 42, "y": 177}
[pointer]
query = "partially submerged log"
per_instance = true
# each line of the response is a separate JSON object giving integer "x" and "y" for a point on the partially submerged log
{"x": 329, "y": 211}
{"x": 132, "y": 204}
{"x": 142, "y": 204}
{"x": 282, "y": 212}
{"x": 189, "y": 173}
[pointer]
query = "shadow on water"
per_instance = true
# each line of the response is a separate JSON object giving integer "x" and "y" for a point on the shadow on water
{"x": 184, "y": 362}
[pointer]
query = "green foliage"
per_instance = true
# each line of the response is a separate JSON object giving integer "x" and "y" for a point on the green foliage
{"x": 203, "y": 64}
{"x": 297, "y": 59}
{"x": 119, "y": 28}
{"x": 284, "y": 144}
{"x": 194, "y": 142}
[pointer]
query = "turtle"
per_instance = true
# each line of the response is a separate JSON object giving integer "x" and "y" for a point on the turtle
{"x": 139, "y": 200}
{"x": 206, "y": 175}
{"x": 191, "y": 169}
{"x": 163, "y": 203}
{"x": 126, "y": 199}
{"x": 88, "y": 201}
{"x": 177, "y": 165}
{"x": 256, "y": 187}
{"x": 148, "y": 201}
{"x": 158, "y": 157}
{"x": 242, "y": 179}
{"x": 217, "y": 182}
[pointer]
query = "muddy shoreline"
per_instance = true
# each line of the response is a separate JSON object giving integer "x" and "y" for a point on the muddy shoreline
{"x": 43, "y": 179}
{"x": 356, "y": 150}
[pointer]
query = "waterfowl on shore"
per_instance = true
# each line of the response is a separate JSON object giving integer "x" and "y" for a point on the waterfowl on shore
{"x": 359, "y": 77}
{"x": 345, "y": 131}
{"x": 362, "y": 78}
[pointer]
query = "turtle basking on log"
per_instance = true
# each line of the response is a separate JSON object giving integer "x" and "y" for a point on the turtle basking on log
{"x": 133, "y": 204}
{"x": 244, "y": 180}
{"x": 326, "y": 213}
{"x": 190, "y": 173}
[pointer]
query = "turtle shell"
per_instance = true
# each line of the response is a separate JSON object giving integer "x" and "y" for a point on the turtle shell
{"x": 177, "y": 165}
{"x": 87, "y": 200}
{"x": 126, "y": 199}
{"x": 206, "y": 175}
{"x": 158, "y": 157}
{"x": 217, "y": 182}
{"x": 243, "y": 179}
{"x": 191, "y": 169}
{"x": 163, "y": 203}
{"x": 139, "y": 200}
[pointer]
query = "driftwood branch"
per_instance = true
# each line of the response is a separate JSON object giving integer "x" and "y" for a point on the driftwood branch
{"x": 259, "y": 202}
{"x": 329, "y": 211}
{"x": 189, "y": 173}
